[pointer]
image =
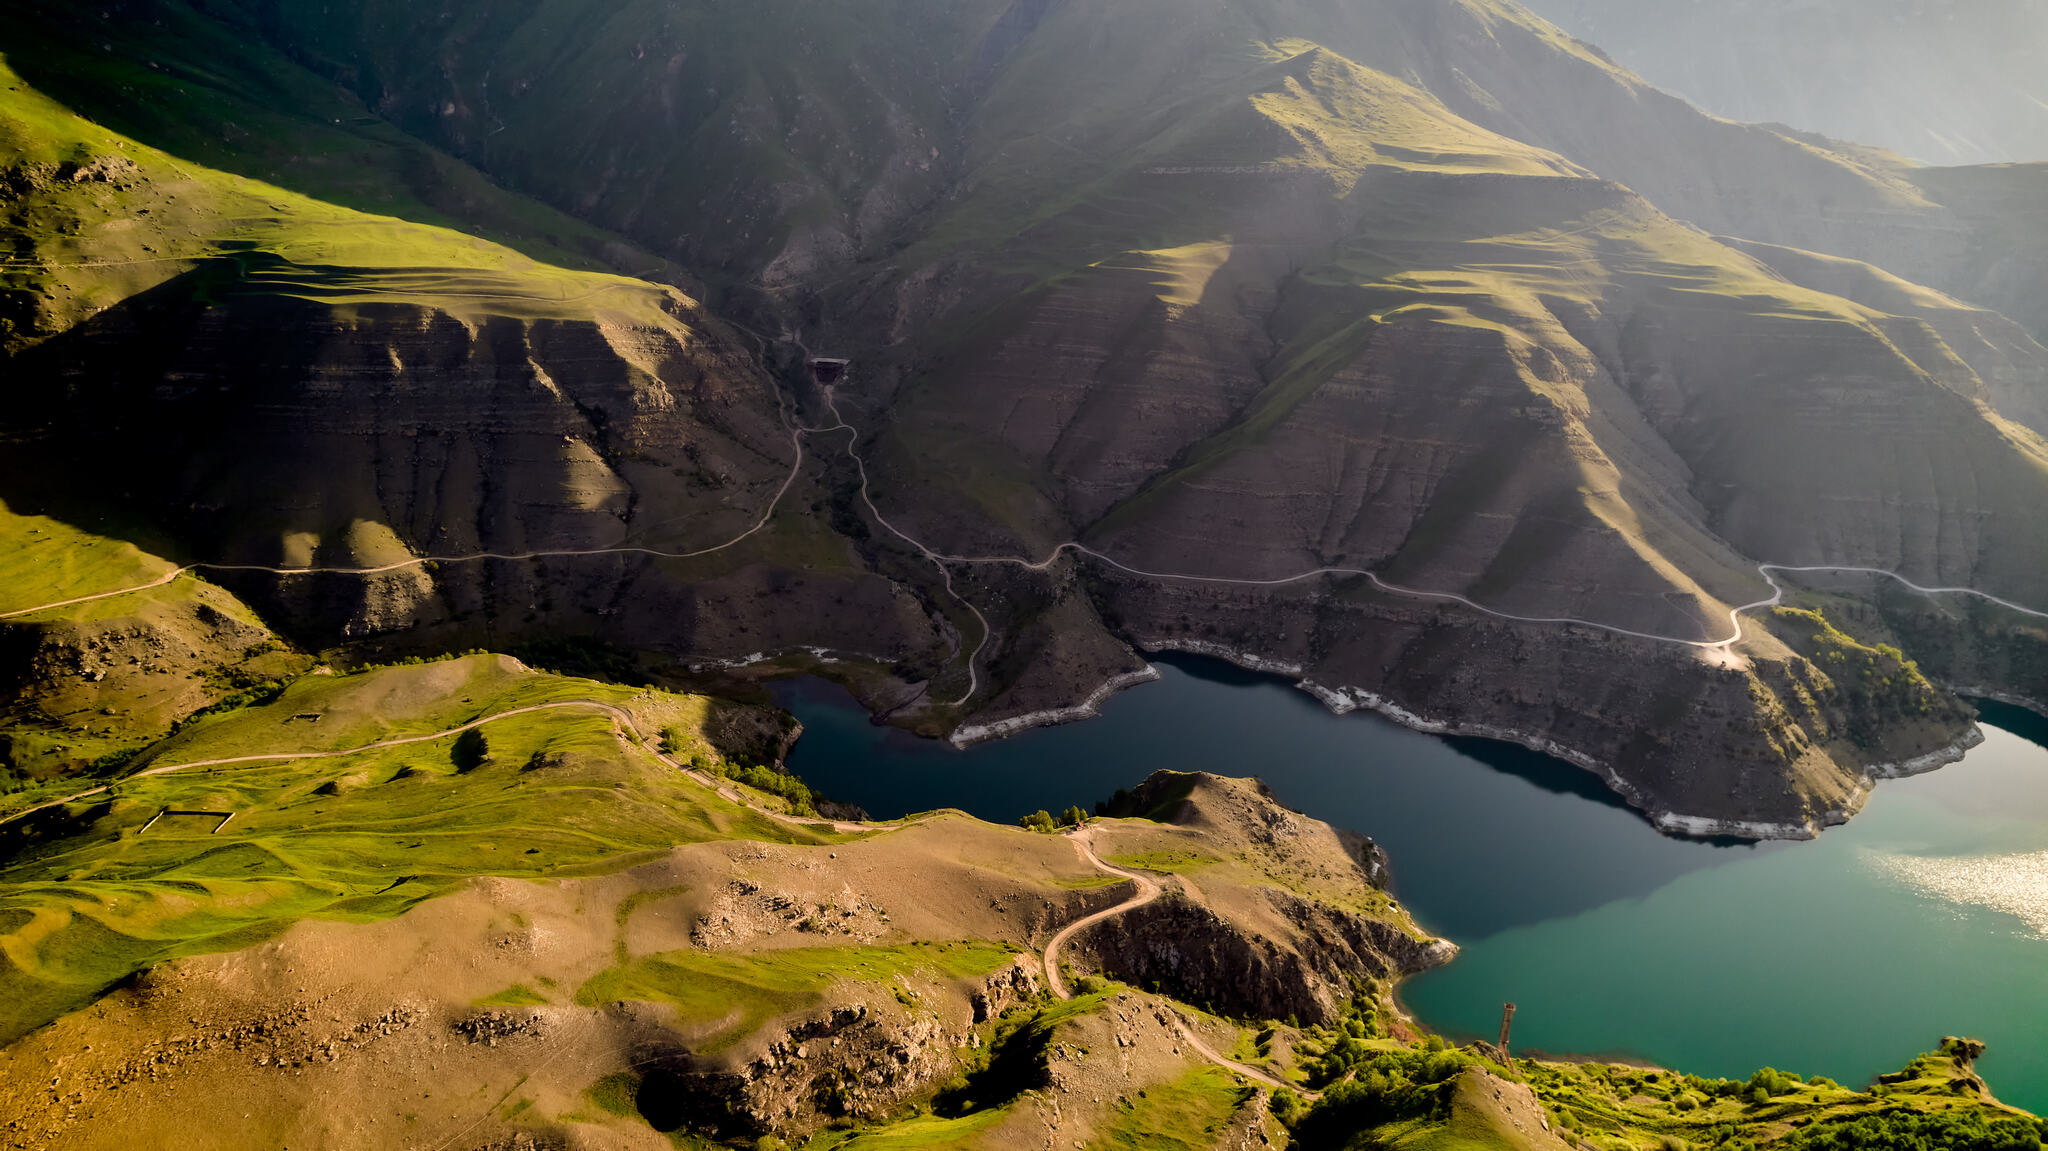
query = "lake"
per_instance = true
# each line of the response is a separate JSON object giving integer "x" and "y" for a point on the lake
{"x": 1927, "y": 915}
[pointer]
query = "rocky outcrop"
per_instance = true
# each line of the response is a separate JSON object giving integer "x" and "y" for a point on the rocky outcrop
{"x": 1195, "y": 954}
{"x": 858, "y": 1061}
{"x": 1310, "y": 928}
{"x": 100, "y": 683}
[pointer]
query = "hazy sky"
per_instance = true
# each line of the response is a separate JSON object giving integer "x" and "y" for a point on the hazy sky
{"x": 1942, "y": 81}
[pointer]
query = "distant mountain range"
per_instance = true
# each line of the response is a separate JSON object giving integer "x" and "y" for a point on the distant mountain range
{"x": 1533, "y": 361}
{"x": 1935, "y": 80}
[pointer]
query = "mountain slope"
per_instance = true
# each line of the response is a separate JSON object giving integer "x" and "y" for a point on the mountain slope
{"x": 265, "y": 378}
{"x": 1236, "y": 291}
{"x": 1476, "y": 370}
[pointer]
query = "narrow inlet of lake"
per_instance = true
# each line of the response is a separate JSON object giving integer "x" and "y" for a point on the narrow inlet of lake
{"x": 1927, "y": 915}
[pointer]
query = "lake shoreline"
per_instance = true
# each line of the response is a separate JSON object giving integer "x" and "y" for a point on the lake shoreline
{"x": 1500, "y": 847}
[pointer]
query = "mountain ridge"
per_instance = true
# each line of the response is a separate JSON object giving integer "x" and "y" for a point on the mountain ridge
{"x": 1322, "y": 305}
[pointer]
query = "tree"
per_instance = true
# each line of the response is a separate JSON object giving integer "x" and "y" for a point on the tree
{"x": 471, "y": 750}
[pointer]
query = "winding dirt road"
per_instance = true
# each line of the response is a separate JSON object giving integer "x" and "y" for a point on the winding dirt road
{"x": 1193, "y": 1040}
{"x": 622, "y": 725}
{"x": 937, "y": 560}
{"x": 943, "y": 562}
{"x": 796, "y": 437}
{"x": 1148, "y": 891}
{"x": 1735, "y": 614}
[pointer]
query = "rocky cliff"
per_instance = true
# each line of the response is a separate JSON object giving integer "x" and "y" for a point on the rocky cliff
{"x": 1533, "y": 363}
{"x": 1278, "y": 916}
{"x": 627, "y": 949}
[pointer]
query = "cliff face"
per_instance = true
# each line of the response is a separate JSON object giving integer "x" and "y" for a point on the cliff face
{"x": 456, "y": 435}
{"x": 1279, "y": 916}
{"x": 620, "y": 942}
{"x": 1521, "y": 385}
{"x": 1231, "y": 294}
{"x": 283, "y": 432}
{"x": 270, "y": 382}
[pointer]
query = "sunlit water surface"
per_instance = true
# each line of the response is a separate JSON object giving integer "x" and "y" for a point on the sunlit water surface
{"x": 1927, "y": 915}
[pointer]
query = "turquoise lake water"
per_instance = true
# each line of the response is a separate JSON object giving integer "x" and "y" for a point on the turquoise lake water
{"x": 1927, "y": 915}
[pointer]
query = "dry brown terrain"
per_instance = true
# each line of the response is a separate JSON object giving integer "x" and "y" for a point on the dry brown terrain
{"x": 868, "y": 969}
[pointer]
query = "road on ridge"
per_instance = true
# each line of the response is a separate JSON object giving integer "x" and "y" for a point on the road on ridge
{"x": 942, "y": 562}
{"x": 622, "y": 725}
{"x": 1148, "y": 891}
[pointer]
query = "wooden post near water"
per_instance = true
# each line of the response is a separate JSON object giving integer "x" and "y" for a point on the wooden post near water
{"x": 1507, "y": 1017}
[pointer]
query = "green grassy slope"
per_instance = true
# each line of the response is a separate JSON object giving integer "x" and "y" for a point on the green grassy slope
{"x": 1426, "y": 1096}
{"x": 91, "y": 683}
{"x": 89, "y": 896}
{"x": 43, "y": 560}
{"x": 737, "y": 993}
{"x": 98, "y": 218}
{"x": 120, "y": 265}
{"x": 1423, "y": 1097}
{"x": 199, "y": 81}
{"x": 727, "y": 128}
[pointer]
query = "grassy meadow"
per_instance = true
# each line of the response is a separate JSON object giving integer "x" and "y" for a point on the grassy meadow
{"x": 90, "y": 897}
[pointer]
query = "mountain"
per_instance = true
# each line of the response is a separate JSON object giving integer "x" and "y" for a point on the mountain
{"x": 1423, "y": 291}
{"x": 1941, "y": 83}
{"x": 427, "y": 426}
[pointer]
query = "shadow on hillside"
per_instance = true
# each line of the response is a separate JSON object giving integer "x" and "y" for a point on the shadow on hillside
{"x": 2028, "y": 725}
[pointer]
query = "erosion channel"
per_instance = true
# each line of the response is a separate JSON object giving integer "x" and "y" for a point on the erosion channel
{"x": 1926, "y": 914}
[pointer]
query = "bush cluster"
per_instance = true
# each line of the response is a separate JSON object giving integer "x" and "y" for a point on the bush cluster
{"x": 416, "y": 661}
{"x": 1385, "y": 1086}
{"x": 1328, "y": 1053}
{"x": 761, "y": 777}
{"x": 1908, "y": 1130}
{"x": 802, "y": 800}
{"x": 255, "y": 695}
{"x": 1044, "y": 821}
{"x": 1769, "y": 1082}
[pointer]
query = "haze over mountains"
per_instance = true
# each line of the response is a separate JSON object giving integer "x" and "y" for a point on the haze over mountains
{"x": 1423, "y": 288}
{"x": 1941, "y": 82}
{"x": 966, "y": 352}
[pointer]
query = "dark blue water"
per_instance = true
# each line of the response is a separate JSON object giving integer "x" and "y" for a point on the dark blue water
{"x": 1927, "y": 915}
{"x": 1484, "y": 836}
